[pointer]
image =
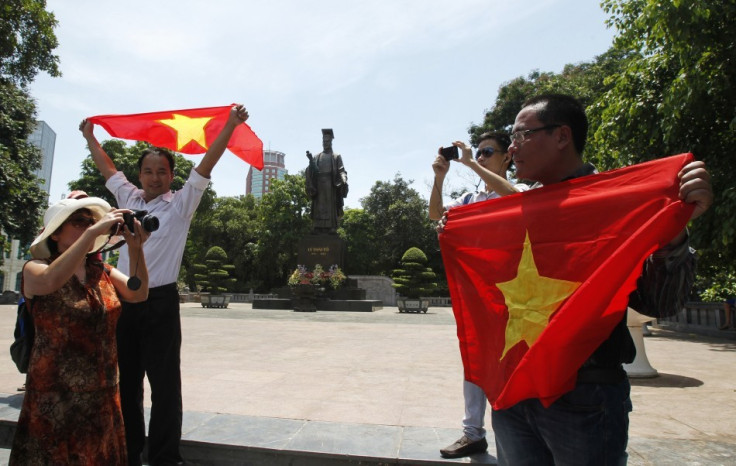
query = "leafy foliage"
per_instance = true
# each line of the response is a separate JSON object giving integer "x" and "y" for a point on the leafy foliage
{"x": 27, "y": 41}
{"x": 677, "y": 94}
{"x": 283, "y": 219}
{"x": 414, "y": 279}
{"x": 665, "y": 87}
{"x": 357, "y": 231}
{"x": 22, "y": 197}
{"x": 228, "y": 222}
{"x": 397, "y": 219}
{"x": 214, "y": 274}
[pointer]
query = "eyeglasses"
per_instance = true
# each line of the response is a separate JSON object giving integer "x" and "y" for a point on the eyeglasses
{"x": 485, "y": 152}
{"x": 522, "y": 135}
{"x": 81, "y": 221}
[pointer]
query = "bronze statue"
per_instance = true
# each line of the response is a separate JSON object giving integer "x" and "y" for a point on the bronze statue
{"x": 327, "y": 186}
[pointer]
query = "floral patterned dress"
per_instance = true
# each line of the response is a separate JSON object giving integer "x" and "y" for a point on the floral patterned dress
{"x": 71, "y": 411}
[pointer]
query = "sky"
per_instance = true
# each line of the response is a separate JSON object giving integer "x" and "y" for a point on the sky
{"x": 394, "y": 79}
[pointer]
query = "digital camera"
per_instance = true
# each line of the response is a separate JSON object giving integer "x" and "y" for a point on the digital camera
{"x": 450, "y": 153}
{"x": 148, "y": 222}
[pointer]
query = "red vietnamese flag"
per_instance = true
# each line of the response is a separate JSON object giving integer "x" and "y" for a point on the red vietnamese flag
{"x": 188, "y": 131}
{"x": 539, "y": 279}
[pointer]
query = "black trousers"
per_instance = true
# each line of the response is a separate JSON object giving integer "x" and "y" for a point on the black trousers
{"x": 149, "y": 343}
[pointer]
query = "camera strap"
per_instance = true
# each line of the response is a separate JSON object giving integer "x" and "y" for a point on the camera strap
{"x": 107, "y": 247}
{"x": 134, "y": 282}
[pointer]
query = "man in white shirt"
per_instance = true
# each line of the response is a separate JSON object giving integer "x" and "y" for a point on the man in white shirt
{"x": 491, "y": 163}
{"x": 149, "y": 333}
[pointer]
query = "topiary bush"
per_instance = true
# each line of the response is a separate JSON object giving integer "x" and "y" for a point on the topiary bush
{"x": 414, "y": 279}
{"x": 214, "y": 276}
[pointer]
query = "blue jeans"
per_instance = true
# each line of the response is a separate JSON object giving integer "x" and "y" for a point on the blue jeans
{"x": 587, "y": 426}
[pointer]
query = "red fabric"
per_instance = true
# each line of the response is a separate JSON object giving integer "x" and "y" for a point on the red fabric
{"x": 596, "y": 230}
{"x": 148, "y": 127}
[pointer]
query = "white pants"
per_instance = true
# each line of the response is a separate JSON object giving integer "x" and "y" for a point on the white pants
{"x": 475, "y": 411}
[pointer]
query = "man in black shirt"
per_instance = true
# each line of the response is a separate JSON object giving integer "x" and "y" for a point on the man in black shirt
{"x": 589, "y": 425}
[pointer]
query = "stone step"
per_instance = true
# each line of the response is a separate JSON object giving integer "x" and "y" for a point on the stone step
{"x": 229, "y": 439}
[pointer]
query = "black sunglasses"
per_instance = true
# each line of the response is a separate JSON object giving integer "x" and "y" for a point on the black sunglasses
{"x": 485, "y": 152}
{"x": 81, "y": 221}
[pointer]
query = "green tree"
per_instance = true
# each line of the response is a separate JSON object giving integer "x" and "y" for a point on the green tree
{"x": 214, "y": 275}
{"x": 582, "y": 80}
{"x": 414, "y": 279}
{"x": 399, "y": 219}
{"x": 357, "y": 231}
{"x": 283, "y": 219}
{"x": 22, "y": 197}
{"x": 230, "y": 222}
{"x": 677, "y": 94}
{"x": 27, "y": 41}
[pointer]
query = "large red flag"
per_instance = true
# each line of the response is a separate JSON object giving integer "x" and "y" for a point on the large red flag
{"x": 188, "y": 131}
{"x": 539, "y": 279}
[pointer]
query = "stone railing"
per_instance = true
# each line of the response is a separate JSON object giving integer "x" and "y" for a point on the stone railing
{"x": 440, "y": 301}
{"x": 249, "y": 297}
{"x": 698, "y": 317}
{"x": 234, "y": 297}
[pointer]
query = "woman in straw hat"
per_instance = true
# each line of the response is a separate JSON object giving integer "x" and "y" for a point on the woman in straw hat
{"x": 71, "y": 410}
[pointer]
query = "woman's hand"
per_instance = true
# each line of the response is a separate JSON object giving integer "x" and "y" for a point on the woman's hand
{"x": 108, "y": 223}
{"x": 136, "y": 238}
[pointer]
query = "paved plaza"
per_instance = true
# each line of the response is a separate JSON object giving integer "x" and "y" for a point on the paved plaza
{"x": 280, "y": 387}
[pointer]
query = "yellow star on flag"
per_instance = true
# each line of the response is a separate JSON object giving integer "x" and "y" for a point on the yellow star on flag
{"x": 188, "y": 129}
{"x": 531, "y": 300}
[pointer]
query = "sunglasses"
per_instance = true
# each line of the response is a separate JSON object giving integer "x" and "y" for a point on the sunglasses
{"x": 485, "y": 152}
{"x": 81, "y": 221}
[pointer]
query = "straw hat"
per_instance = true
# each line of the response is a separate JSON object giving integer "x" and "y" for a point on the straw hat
{"x": 57, "y": 214}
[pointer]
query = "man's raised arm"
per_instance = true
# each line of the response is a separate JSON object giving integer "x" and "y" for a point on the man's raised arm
{"x": 103, "y": 161}
{"x": 238, "y": 115}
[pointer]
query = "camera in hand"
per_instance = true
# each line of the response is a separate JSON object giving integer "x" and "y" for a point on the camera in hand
{"x": 450, "y": 153}
{"x": 148, "y": 222}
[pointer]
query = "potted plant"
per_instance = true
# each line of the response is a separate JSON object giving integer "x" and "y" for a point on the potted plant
{"x": 214, "y": 278}
{"x": 307, "y": 284}
{"x": 413, "y": 280}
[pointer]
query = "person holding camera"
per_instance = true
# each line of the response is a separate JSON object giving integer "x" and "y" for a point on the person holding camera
{"x": 71, "y": 409}
{"x": 590, "y": 423}
{"x": 491, "y": 163}
{"x": 149, "y": 333}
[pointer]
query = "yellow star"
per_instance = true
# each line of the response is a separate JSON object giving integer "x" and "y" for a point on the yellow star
{"x": 188, "y": 129}
{"x": 531, "y": 300}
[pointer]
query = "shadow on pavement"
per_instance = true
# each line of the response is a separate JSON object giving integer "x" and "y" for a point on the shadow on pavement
{"x": 667, "y": 380}
{"x": 13, "y": 401}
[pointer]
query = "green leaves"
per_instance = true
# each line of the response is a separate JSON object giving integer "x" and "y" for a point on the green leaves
{"x": 214, "y": 277}
{"x": 414, "y": 279}
{"x": 27, "y": 41}
{"x": 20, "y": 192}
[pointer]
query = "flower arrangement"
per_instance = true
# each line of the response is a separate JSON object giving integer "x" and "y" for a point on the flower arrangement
{"x": 319, "y": 276}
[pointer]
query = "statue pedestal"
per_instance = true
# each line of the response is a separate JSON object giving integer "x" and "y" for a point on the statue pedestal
{"x": 325, "y": 250}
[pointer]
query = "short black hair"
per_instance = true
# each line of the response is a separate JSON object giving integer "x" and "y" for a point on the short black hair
{"x": 565, "y": 110}
{"x": 501, "y": 137}
{"x": 157, "y": 151}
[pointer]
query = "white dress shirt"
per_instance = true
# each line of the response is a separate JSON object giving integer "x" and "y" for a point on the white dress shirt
{"x": 165, "y": 247}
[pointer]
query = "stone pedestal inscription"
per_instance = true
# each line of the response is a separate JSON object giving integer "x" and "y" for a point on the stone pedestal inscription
{"x": 325, "y": 250}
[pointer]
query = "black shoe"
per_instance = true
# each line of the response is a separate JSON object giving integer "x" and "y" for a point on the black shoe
{"x": 464, "y": 447}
